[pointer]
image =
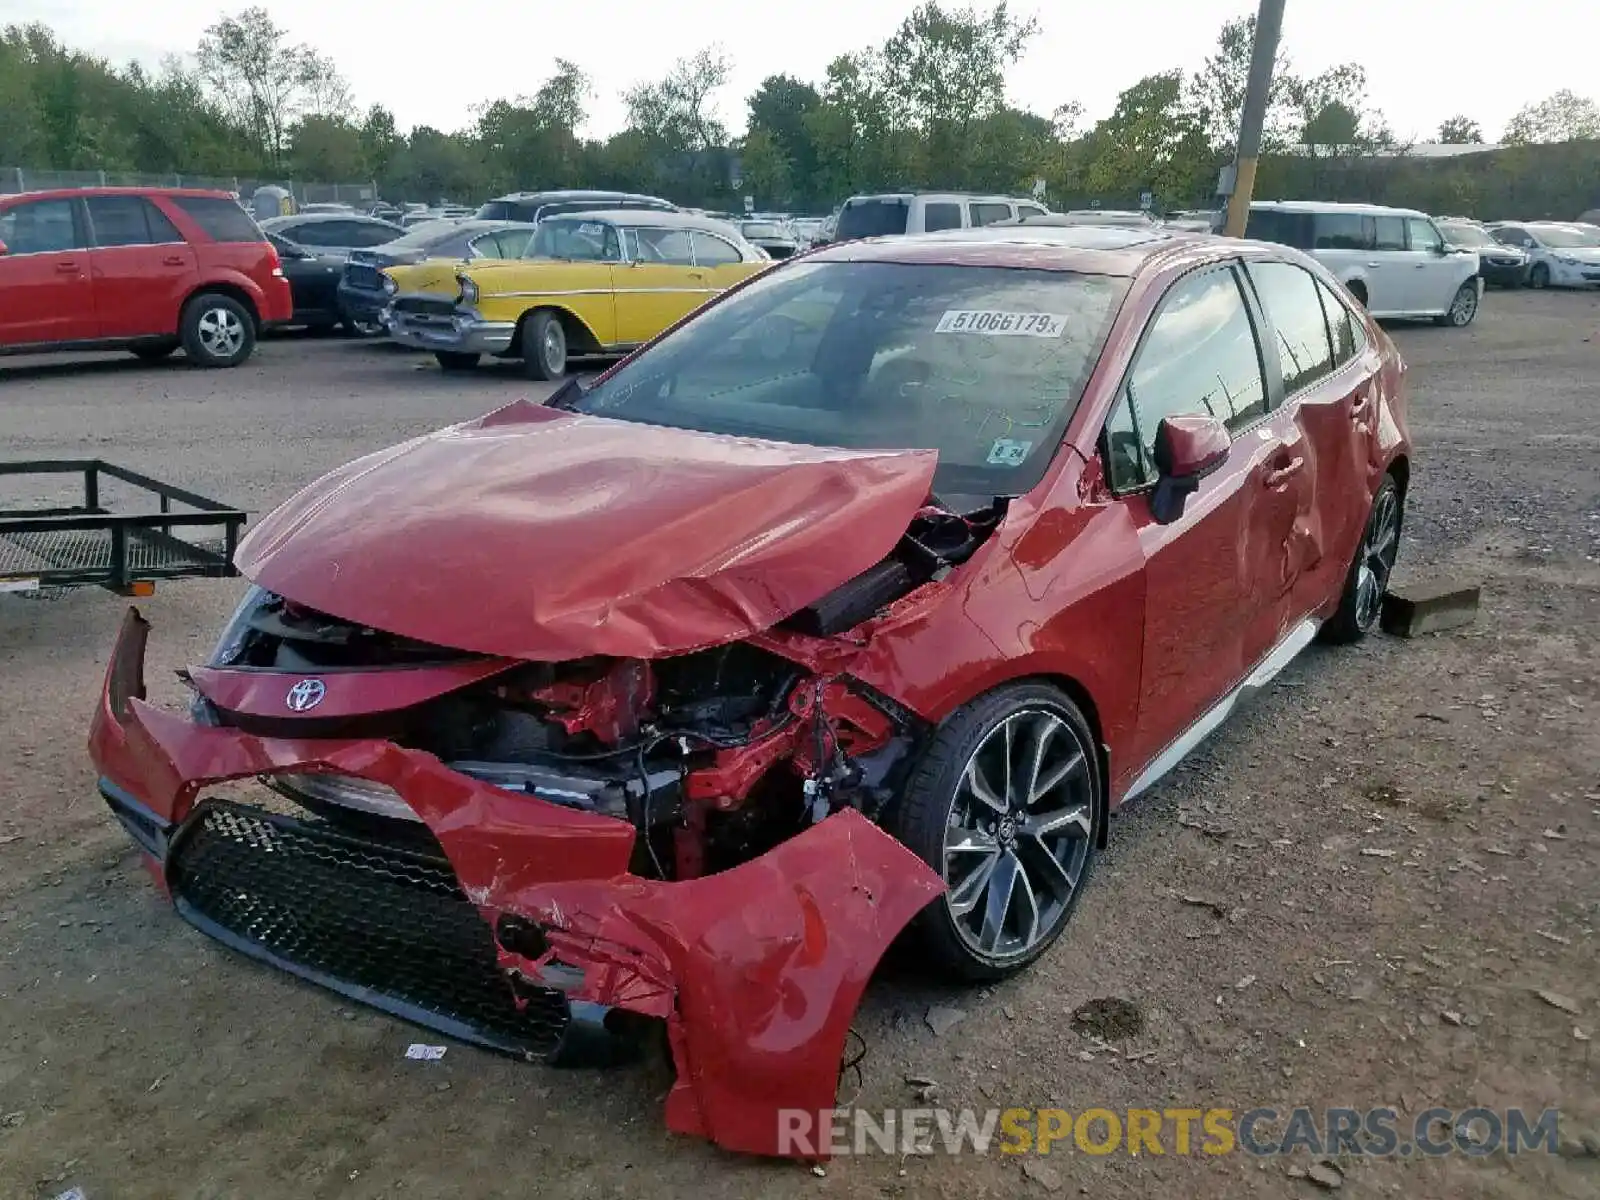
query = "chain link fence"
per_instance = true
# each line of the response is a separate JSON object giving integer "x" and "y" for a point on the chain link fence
{"x": 27, "y": 179}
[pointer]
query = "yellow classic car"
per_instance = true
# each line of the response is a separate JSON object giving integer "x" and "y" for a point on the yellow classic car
{"x": 590, "y": 284}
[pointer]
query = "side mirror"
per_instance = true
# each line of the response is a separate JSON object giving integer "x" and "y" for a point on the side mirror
{"x": 1187, "y": 449}
{"x": 3, "y": 250}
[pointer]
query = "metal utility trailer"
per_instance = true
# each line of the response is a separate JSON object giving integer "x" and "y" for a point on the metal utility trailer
{"x": 125, "y": 552}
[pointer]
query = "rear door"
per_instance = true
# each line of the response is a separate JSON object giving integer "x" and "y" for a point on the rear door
{"x": 142, "y": 267}
{"x": 1325, "y": 399}
{"x": 658, "y": 284}
{"x": 46, "y": 290}
{"x": 1199, "y": 355}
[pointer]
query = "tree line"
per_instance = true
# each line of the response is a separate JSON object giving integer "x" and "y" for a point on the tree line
{"x": 926, "y": 109}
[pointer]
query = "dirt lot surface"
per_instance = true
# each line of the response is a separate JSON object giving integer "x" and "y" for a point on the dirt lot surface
{"x": 1396, "y": 848}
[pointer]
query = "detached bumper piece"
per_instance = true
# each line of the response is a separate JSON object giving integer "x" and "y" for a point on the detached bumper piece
{"x": 385, "y": 926}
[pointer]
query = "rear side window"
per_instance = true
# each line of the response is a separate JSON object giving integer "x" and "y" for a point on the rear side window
{"x": 1340, "y": 231}
{"x": 221, "y": 220}
{"x": 988, "y": 214}
{"x": 1289, "y": 295}
{"x": 368, "y": 233}
{"x": 1029, "y": 210}
{"x": 129, "y": 221}
{"x": 39, "y": 227}
{"x": 941, "y": 216}
{"x": 1284, "y": 228}
{"x": 712, "y": 251}
{"x": 872, "y": 218}
{"x": 1389, "y": 233}
{"x": 1349, "y": 337}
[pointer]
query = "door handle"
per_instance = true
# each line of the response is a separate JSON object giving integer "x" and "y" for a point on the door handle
{"x": 1373, "y": 266}
{"x": 174, "y": 260}
{"x": 67, "y": 268}
{"x": 1283, "y": 474}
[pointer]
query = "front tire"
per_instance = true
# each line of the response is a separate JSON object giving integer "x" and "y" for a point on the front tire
{"x": 455, "y": 361}
{"x": 1463, "y": 307}
{"x": 1362, "y": 599}
{"x": 217, "y": 331}
{"x": 544, "y": 347}
{"x": 1539, "y": 277}
{"x": 1006, "y": 805}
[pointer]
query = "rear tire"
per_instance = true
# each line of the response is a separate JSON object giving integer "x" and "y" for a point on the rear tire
{"x": 217, "y": 331}
{"x": 455, "y": 361}
{"x": 1361, "y": 602}
{"x": 544, "y": 347}
{"x": 990, "y": 755}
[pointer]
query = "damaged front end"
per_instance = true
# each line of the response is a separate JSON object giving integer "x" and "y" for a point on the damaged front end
{"x": 531, "y": 856}
{"x": 534, "y": 796}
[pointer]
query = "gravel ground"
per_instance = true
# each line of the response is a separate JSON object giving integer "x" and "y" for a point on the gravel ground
{"x": 1395, "y": 849}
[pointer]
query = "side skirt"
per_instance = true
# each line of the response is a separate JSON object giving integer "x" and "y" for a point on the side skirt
{"x": 1279, "y": 657}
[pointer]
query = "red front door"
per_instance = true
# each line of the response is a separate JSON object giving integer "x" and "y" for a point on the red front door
{"x": 1203, "y": 580}
{"x": 141, "y": 265}
{"x": 45, "y": 290}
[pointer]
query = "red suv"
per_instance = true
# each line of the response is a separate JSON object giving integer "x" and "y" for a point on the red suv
{"x": 143, "y": 269}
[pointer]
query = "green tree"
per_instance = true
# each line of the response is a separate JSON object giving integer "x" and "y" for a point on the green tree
{"x": 1216, "y": 92}
{"x": 779, "y": 108}
{"x": 327, "y": 149}
{"x": 264, "y": 83}
{"x": 677, "y": 112}
{"x": 1460, "y": 131}
{"x": 380, "y": 141}
{"x": 1563, "y": 117}
{"x": 1153, "y": 139}
{"x": 766, "y": 170}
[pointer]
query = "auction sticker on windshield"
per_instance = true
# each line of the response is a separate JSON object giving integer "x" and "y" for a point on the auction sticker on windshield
{"x": 1001, "y": 324}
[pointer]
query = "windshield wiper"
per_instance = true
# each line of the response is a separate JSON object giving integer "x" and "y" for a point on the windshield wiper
{"x": 566, "y": 397}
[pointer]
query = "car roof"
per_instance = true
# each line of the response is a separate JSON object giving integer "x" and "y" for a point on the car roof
{"x": 318, "y": 218}
{"x": 657, "y": 218}
{"x": 1090, "y": 249}
{"x": 1079, "y": 219}
{"x": 935, "y": 197}
{"x": 59, "y": 193}
{"x": 578, "y": 194}
{"x": 1316, "y": 206}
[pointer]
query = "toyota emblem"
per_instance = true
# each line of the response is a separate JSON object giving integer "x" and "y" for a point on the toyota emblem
{"x": 306, "y": 695}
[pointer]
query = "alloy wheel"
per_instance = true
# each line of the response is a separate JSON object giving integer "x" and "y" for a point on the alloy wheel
{"x": 554, "y": 348}
{"x": 1018, "y": 835}
{"x": 1378, "y": 551}
{"x": 1465, "y": 306}
{"x": 221, "y": 332}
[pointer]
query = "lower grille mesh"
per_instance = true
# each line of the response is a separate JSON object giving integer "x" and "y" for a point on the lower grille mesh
{"x": 390, "y": 927}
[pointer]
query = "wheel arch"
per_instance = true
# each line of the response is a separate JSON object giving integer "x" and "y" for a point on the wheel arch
{"x": 1400, "y": 468}
{"x": 580, "y": 338}
{"x": 224, "y": 287}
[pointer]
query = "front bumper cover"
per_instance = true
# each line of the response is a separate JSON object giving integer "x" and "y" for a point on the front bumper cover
{"x": 756, "y": 971}
{"x": 462, "y": 333}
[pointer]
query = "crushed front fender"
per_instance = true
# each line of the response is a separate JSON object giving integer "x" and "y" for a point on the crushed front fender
{"x": 757, "y": 970}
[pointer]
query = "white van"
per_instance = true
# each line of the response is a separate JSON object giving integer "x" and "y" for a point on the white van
{"x": 893, "y": 214}
{"x": 1393, "y": 260}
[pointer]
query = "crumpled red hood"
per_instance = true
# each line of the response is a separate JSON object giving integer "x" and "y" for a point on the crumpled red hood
{"x": 532, "y": 533}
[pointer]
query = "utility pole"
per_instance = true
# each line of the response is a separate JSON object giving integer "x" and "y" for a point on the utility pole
{"x": 1269, "y": 24}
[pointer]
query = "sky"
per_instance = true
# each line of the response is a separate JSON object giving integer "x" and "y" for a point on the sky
{"x": 430, "y": 63}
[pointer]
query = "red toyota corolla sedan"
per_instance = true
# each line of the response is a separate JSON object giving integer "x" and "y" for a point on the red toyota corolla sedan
{"x": 858, "y": 600}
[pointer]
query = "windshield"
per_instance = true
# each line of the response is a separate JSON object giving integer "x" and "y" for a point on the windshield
{"x": 581, "y": 241}
{"x": 762, "y": 229}
{"x": 1562, "y": 237}
{"x": 1465, "y": 235}
{"x": 983, "y": 364}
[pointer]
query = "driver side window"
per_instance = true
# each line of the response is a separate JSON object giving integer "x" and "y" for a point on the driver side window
{"x": 1199, "y": 357}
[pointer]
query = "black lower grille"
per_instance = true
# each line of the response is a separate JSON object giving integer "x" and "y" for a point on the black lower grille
{"x": 362, "y": 276}
{"x": 422, "y": 306}
{"x": 381, "y": 924}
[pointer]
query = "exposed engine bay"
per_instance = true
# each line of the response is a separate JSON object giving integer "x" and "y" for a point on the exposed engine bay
{"x": 714, "y": 756}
